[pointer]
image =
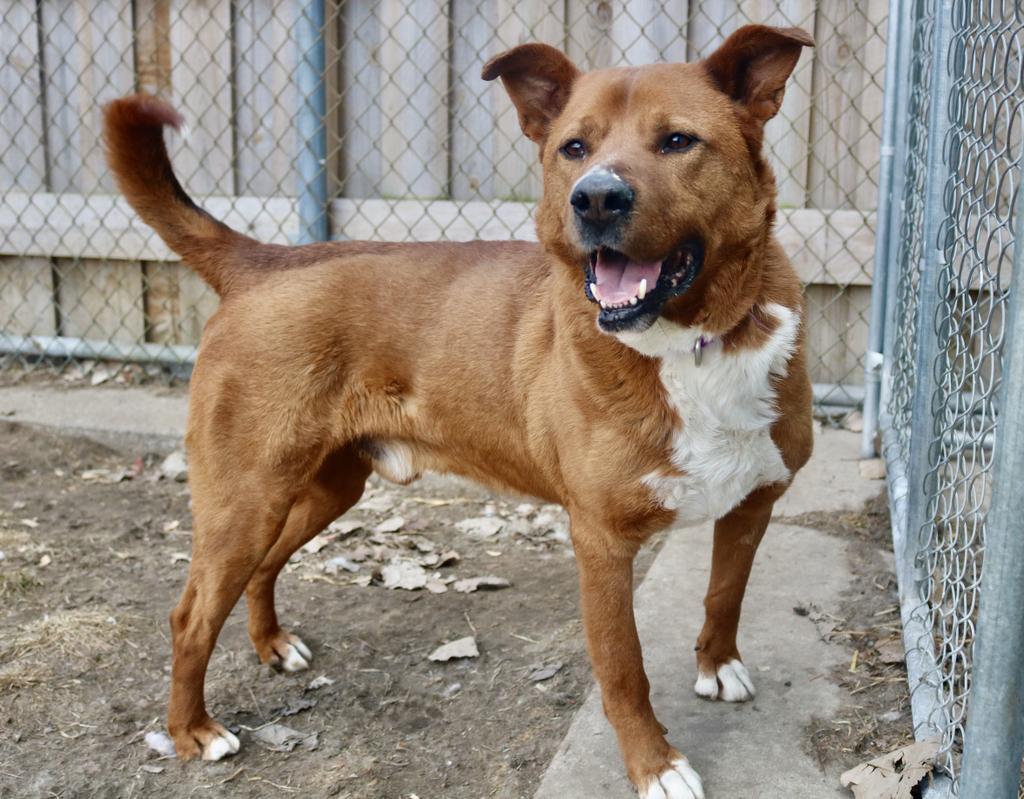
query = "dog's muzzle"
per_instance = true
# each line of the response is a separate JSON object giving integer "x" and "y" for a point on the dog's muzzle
{"x": 601, "y": 201}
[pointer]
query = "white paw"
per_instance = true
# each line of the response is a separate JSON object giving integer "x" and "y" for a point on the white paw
{"x": 297, "y": 656}
{"x": 678, "y": 782}
{"x": 731, "y": 684}
{"x": 223, "y": 745}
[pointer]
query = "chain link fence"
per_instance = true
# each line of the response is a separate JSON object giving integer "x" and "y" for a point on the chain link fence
{"x": 367, "y": 119}
{"x": 957, "y": 119}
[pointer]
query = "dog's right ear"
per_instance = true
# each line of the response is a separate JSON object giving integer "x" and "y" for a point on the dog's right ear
{"x": 538, "y": 78}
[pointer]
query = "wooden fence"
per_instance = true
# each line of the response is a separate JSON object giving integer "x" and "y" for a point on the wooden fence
{"x": 418, "y": 146}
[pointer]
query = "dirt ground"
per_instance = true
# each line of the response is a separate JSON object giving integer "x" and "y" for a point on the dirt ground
{"x": 91, "y": 568}
{"x": 94, "y": 552}
{"x": 875, "y": 714}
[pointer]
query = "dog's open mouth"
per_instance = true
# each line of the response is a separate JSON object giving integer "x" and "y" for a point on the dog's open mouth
{"x": 631, "y": 292}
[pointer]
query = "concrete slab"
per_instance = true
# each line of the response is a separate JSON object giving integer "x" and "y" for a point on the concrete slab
{"x": 831, "y": 481}
{"x": 123, "y": 418}
{"x": 749, "y": 751}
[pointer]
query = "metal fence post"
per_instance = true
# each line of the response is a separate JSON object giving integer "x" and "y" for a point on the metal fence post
{"x": 894, "y": 94}
{"x": 312, "y": 134}
{"x": 994, "y": 742}
{"x": 930, "y": 341}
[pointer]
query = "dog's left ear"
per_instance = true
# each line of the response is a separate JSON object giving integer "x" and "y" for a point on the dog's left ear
{"x": 538, "y": 78}
{"x": 753, "y": 65}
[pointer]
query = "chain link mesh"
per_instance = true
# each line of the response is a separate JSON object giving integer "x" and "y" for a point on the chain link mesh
{"x": 980, "y": 173}
{"x": 418, "y": 147}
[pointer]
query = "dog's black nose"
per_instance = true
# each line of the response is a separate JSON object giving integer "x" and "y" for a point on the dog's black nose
{"x": 601, "y": 198}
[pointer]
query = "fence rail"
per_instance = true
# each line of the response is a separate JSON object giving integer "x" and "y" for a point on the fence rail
{"x": 377, "y": 105}
{"x": 950, "y": 244}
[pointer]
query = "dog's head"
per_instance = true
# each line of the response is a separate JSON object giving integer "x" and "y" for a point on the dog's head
{"x": 652, "y": 174}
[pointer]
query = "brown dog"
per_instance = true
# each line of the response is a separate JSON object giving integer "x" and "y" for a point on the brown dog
{"x": 643, "y": 367}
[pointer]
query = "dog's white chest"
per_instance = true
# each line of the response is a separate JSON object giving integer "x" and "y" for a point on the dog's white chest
{"x": 723, "y": 450}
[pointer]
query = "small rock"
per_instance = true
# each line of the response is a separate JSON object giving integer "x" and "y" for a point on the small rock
{"x": 175, "y": 467}
{"x": 526, "y": 509}
{"x": 451, "y": 690}
{"x": 854, "y": 422}
{"x": 872, "y": 469}
{"x": 461, "y": 648}
{"x": 151, "y": 768}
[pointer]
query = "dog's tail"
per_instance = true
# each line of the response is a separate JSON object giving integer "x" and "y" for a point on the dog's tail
{"x": 138, "y": 158}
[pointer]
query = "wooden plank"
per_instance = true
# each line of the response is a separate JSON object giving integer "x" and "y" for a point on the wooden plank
{"x": 837, "y": 327}
{"x": 413, "y": 98}
{"x": 101, "y": 300}
{"x": 516, "y": 163}
{"x": 104, "y": 226}
{"x": 266, "y": 98}
{"x": 88, "y": 53}
{"x": 22, "y": 155}
{"x": 847, "y": 110}
{"x": 184, "y": 53}
{"x": 360, "y": 81}
{"x": 26, "y": 297}
{"x": 787, "y": 135}
{"x": 650, "y": 31}
{"x": 26, "y": 283}
{"x": 472, "y": 113}
{"x": 176, "y": 308}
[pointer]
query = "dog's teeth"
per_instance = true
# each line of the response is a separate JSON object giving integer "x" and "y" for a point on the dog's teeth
{"x": 593, "y": 291}
{"x": 643, "y": 289}
{"x": 633, "y": 301}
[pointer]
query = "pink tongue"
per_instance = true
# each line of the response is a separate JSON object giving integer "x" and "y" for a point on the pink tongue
{"x": 618, "y": 278}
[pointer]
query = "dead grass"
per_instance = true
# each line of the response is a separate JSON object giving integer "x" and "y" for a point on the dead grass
{"x": 18, "y": 582}
{"x": 78, "y": 636}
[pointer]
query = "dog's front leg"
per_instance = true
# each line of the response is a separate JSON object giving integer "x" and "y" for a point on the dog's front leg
{"x": 606, "y": 585}
{"x": 720, "y": 671}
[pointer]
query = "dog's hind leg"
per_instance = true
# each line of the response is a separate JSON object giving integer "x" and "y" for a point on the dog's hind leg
{"x": 235, "y": 527}
{"x": 720, "y": 671}
{"x": 336, "y": 488}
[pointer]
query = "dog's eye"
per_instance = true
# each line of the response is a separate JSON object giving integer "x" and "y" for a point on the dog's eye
{"x": 574, "y": 149}
{"x": 678, "y": 143}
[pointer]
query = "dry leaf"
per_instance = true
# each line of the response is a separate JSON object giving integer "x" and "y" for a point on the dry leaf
{"x": 480, "y": 526}
{"x": 279, "y": 738}
{"x": 317, "y": 543}
{"x": 402, "y": 573}
{"x": 344, "y": 526}
{"x": 891, "y": 651}
{"x": 320, "y": 682}
{"x": 392, "y": 525}
{"x": 471, "y": 584}
{"x": 546, "y": 672}
{"x": 894, "y": 775}
{"x": 462, "y": 648}
{"x": 334, "y": 565}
